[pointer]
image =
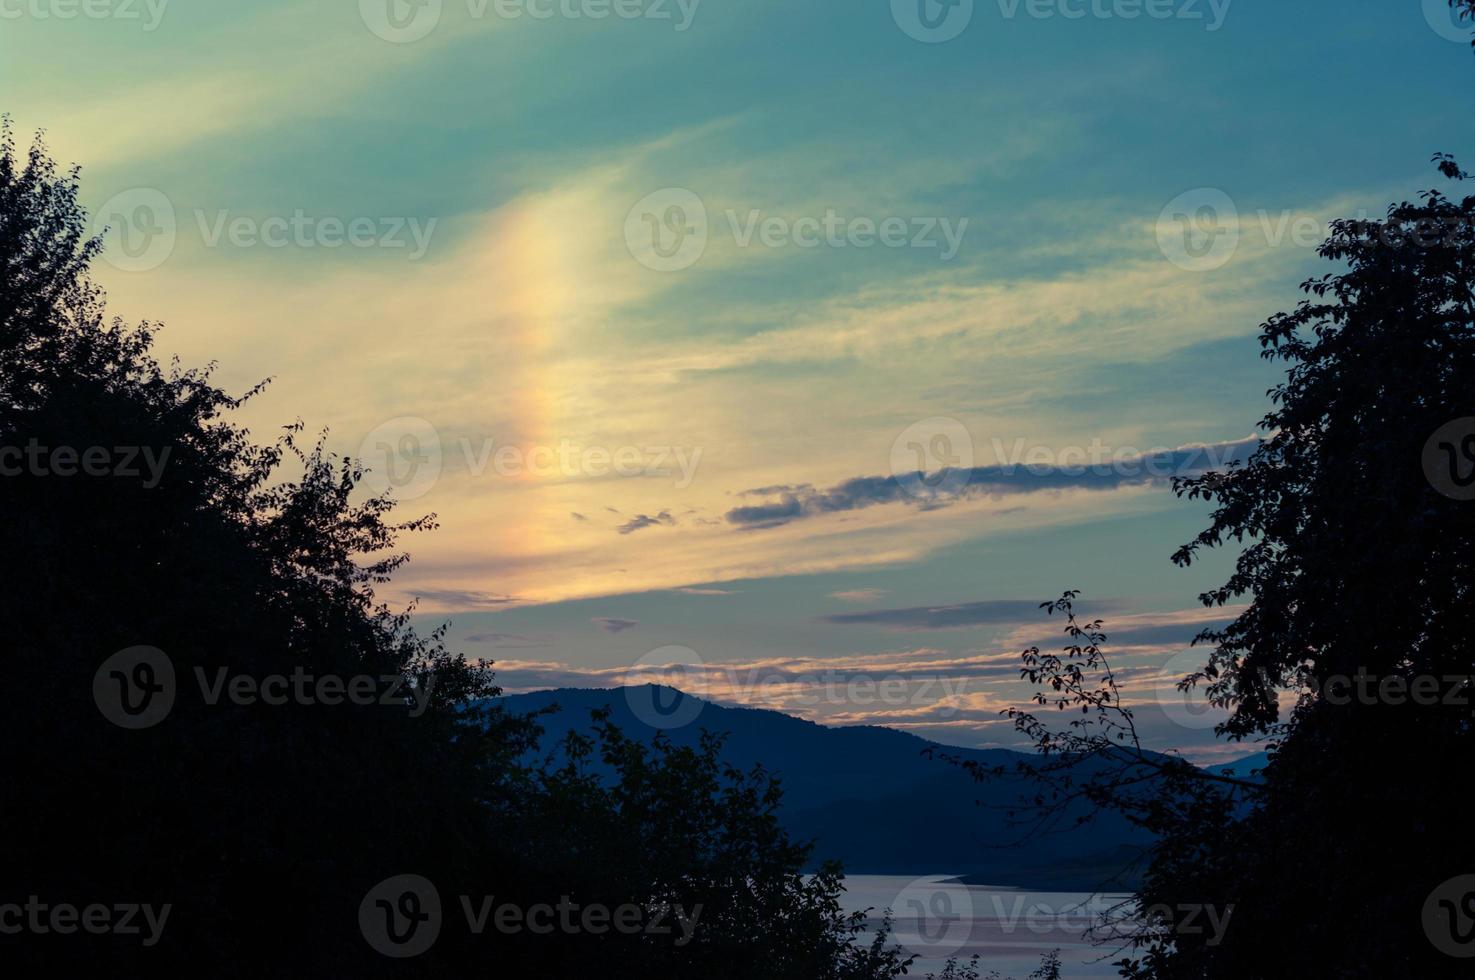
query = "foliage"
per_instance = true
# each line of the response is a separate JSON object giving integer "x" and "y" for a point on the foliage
{"x": 954, "y": 969}
{"x": 264, "y": 826}
{"x": 1466, "y": 10}
{"x": 1355, "y": 559}
{"x": 1098, "y": 759}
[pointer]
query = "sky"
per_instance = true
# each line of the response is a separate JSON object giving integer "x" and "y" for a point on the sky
{"x": 790, "y": 352}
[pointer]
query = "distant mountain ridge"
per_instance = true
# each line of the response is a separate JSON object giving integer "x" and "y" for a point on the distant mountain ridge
{"x": 866, "y": 795}
{"x": 1247, "y": 768}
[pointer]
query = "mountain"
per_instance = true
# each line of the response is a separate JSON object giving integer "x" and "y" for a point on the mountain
{"x": 868, "y": 796}
{"x": 1246, "y": 768}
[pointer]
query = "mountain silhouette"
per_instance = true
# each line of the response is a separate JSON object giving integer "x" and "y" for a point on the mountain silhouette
{"x": 869, "y": 796}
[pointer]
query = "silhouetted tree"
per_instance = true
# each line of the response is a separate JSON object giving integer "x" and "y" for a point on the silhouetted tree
{"x": 1354, "y": 517}
{"x": 1097, "y": 764}
{"x": 256, "y": 823}
{"x": 1358, "y": 534}
{"x": 265, "y": 826}
{"x": 1466, "y": 9}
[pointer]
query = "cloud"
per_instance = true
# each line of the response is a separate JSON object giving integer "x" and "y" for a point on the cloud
{"x": 957, "y": 698}
{"x": 975, "y": 711}
{"x": 460, "y": 599}
{"x": 219, "y": 87}
{"x": 577, "y": 516}
{"x": 962, "y": 616}
{"x": 508, "y": 640}
{"x": 780, "y": 682}
{"x": 612, "y": 625}
{"x": 775, "y": 489}
{"x": 641, "y": 521}
{"x": 948, "y": 486}
{"x": 1135, "y": 633}
{"x": 695, "y": 591}
{"x": 1156, "y": 635}
{"x": 859, "y": 595}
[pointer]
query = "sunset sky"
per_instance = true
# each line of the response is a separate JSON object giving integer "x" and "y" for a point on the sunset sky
{"x": 656, "y": 312}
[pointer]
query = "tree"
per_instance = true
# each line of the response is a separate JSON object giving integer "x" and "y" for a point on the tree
{"x": 678, "y": 823}
{"x": 1097, "y": 764}
{"x": 1357, "y": 565}
{"x": 1355, "y": 522}
{"x": 251, "y": 821}
{"x": 1466, "y": 9}
{"x": 266, "y": 827}
{"x": 1336, "y": 502}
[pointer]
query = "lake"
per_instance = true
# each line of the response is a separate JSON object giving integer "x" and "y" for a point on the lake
{"x": 935, "y": 917}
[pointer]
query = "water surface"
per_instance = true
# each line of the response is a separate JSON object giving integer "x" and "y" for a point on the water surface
{"x": 935, "y": 916}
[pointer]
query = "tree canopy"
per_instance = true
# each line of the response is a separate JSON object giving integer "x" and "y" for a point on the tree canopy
{"x": 1351, "y": 661}
{"x": 266, "y": 827}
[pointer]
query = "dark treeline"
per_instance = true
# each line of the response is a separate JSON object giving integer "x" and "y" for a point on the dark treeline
{"x": 1348, "y": 855}
{"x": 265, "y": 829}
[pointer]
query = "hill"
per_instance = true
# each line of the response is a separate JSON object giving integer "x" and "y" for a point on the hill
{"x": 868, "y": 796}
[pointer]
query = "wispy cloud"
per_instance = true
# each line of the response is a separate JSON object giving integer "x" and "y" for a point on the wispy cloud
{"x": 512, "y": 641}
{"x": 859, "y": 595}
{"x": 956, "y": 698}
{"x": 947, "y": 486}
{"x": 462, "y": 599}
{"x": 641, "y": 521}
{"x": 991, "y": 612}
